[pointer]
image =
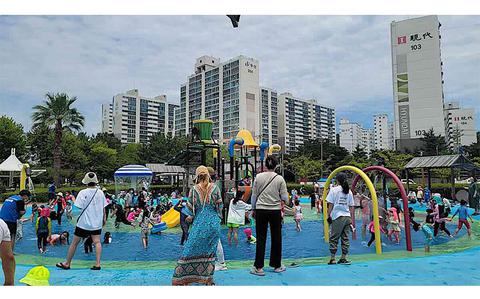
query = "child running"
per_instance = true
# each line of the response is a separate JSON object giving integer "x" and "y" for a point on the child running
{"x": 298, "y": 216}
{"x": 145, "y": 224}
{"x": 394, "y": 225}
{"x": 43, "y": 229}
{"x": 236, "y": 214}
{"x": 371, "y": 228}
{"x": 427, "y": 230}
{"x": 69, "y": 211}
{"x": 463, "y": 214}
{"x": 250, "y": 238}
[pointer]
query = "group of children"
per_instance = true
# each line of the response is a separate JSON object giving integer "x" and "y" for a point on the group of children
{"x": 437, "y": 215}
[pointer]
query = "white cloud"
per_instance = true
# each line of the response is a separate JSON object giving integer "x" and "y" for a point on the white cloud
{"x": 342, "y": 61}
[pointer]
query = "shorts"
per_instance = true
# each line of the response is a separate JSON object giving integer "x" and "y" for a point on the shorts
{"x": 461, "y": 222}
{"x": 83, "y": 233}
{"x": 233, "y": 225}
{"x": 298, "y": 217}
{"x": 4, "y": 232}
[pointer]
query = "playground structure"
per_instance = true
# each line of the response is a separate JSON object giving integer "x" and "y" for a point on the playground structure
{"x": 403, "y": 194}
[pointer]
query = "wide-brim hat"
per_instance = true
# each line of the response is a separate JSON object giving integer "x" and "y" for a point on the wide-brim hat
{"x": 60, "y": 194}
{"x": 37, "y": 276}
{"x": 201, "y": 170}
{"x": 90, "y": 177}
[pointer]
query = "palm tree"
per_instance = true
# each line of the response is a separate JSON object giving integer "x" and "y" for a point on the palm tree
{"x": 57, "y": 113}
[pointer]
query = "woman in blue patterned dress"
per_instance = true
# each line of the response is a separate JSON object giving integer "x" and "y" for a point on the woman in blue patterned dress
{"x": 197, "y": 263}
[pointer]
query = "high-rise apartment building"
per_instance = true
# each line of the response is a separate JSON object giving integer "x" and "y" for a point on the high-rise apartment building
{"x": 269, "y": 115}
{"x": 353, "y": 135}
{"x": 417, "y": 80}
{"x": 300, "y": 120}
{"x": 136, "y": 118}
{"x": 459, "y": 125}
{"x": 382, "y": 130}
{"x": 228, "y": 93}
{"x": 107, "y": 118}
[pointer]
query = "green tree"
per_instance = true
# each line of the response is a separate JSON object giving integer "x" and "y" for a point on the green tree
{"x": 161, "y": 148}
{"x": 12, "y": 136}
{"x": 104, "y": 160}
{"x": 324, "y": 150}
{"x": 359, "y": 153}
{"x": 473, "y": 150}
{"x": 433, "y": 144}
{"x": 40, "y": 143}
{"x": 130, "y": 154}
{"x": 58, "y": 114}
{"x": 110, "y": 140}
{"x": 305, "y": 166}
{"x": 395, "y": 161}
{"x": 75, "y": 159}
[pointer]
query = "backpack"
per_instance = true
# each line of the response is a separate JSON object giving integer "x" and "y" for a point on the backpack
{"x": 42, "y": 225}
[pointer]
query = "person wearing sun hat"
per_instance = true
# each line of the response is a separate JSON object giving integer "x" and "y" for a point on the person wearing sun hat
{"x": 92, "y": 218}
{"x": 197, "y": 261}
{"x": 37, "y": 276}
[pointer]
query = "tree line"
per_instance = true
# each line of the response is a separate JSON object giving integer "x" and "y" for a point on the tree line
{"x": 57, "y": 143}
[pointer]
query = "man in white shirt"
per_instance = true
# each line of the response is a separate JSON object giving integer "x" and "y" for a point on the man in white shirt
{"x": 341, "y": 207}
{"x": 92, "y": 202}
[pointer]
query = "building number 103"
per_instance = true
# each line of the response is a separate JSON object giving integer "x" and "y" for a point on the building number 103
{"x": 420, "y": 132}
{"x": 416, "y": 47}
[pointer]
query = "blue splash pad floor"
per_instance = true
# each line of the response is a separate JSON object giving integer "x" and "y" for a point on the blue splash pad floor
{"x": 441, "y": 269}
{"x": 462, "y": 268}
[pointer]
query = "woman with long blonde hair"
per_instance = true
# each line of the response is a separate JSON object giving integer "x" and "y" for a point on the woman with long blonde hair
{"x": 197, "y": 263}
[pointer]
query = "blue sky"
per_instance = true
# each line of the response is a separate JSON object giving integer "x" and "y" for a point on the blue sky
{"x": 342, "y": 61}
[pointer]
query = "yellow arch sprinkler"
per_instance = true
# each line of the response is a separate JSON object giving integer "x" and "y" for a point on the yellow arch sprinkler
{"x": 373, "y": 193}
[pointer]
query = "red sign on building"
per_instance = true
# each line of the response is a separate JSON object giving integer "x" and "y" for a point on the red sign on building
{"x": 402, "y": 40}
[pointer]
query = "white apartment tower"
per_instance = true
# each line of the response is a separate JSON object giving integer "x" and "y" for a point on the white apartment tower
{"x": 382, "y": 130}
{"x": 269, "y": 115}
{"x": 301, "y": 120}
{"x": 417, "y": 80}
{"x": 107, "y": 118}
{"x": 353, "y": 135}
{"x": 459, "y": 125}
{"x": 136, "y": 118}
{"x": 227, "y": 93}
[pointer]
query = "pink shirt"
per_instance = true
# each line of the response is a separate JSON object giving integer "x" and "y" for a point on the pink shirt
{"x": 371, "y": 228}
{"x": 131, "y": 216}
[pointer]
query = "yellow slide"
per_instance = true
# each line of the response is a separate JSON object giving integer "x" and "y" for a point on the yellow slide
{"x": 171, "y": 218}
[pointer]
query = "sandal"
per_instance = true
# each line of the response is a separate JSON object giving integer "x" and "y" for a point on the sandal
{"x": 257, "y": 272}
{"x": 280, "y": 269}
{"x": 95, "y": 268}
{"x": 332, "y": 262}
{"x": 62, "y": 266}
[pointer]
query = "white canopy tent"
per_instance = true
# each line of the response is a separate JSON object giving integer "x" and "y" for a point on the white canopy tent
{"x": 11, "y": 165}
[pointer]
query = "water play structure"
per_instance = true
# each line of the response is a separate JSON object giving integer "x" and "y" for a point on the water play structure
{"x": 373, "y": 193}
{"x": 403, "y": 195}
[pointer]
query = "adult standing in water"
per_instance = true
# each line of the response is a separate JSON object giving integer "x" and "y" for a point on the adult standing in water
{"x": 197, "y": 263}
{"x": 341, "y": 208}
{"x": 269, "y": 190}
{"x": 220, "y": 264}
{"x": 92, "y": 201}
